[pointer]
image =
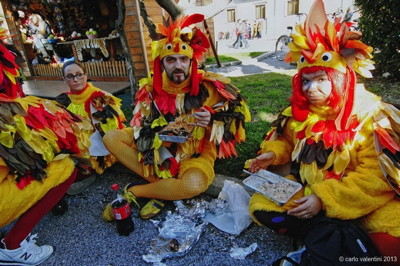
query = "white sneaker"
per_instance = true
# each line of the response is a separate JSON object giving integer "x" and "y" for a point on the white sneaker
{"x": 28, "y": 254}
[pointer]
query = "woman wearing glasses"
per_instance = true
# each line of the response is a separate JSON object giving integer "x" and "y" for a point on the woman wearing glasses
{"x": 102, "y": 108}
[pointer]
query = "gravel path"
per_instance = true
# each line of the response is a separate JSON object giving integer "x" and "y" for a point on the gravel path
{"x": 81, "y": 237}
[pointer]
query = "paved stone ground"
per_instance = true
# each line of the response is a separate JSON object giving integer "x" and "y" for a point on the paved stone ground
{"x": 265, "y": 63}
{"x": 81, "y": 237}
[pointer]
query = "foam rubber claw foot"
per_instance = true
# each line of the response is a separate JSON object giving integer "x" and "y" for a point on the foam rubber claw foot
{"x": 129, "y": 196}
{"x": 151, "y": 209}
{"x": 107, "y": 213}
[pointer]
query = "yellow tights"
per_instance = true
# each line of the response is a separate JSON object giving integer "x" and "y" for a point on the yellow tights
{"x": 189, "y": 184}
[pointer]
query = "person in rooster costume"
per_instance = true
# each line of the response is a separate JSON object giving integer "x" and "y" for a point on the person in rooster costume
{"x": 103, "y": 110}
{"x": 205, "y": 106}
{"x": 42, "y": 146}
{"x": 341, "y": 140}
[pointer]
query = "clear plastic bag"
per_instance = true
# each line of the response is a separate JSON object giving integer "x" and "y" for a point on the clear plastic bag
{"x": 235, "y": 218}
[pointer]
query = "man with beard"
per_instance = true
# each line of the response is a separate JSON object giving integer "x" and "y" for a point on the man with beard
{"x": 183, "y": 119}
{"x": 177, "y": 67}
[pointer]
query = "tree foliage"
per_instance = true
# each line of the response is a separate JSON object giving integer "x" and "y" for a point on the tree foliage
{"x": 380, "y": 25}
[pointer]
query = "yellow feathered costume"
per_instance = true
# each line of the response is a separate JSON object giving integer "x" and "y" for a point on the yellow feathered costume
{"x": 164, "y": 145}
{"x": 41, "y": 143}
{"x": 229, "y": 112}
{"x": 104, "y": 110}
{"x": 350, "y": 183}
{"x": 344, "y": 152}
{"x": 38, "y": 144}
{"x": 159, "y": 102}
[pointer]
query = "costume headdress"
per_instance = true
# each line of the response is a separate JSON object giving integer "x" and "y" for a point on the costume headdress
{"x": 320, "y": 43}
{"x": 180, "y": 37}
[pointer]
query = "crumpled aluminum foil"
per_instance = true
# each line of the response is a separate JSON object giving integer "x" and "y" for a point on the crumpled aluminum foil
{"x": 178, "y": 233}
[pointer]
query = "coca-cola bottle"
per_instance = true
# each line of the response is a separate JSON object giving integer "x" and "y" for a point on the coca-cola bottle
{"x": 122, "y": 213}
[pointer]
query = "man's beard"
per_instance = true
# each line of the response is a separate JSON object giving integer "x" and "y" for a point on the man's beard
{"x": 180, "y": 78}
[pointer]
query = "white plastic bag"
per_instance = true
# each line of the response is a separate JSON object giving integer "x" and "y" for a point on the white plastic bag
{"x": 236, "y": 217}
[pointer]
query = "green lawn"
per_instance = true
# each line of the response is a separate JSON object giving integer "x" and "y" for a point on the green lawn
{"x": 222, "y": 59}
{"x": 232, "y": 57}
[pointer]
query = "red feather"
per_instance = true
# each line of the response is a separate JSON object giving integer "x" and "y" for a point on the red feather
{"x": 387, "y": 140}
{"x": 174, "y": 167}
{"x": 268, "y": 136}
{"x": 318, "y": 127}
{"x": 201, "y": 146}
{"x": 195, "y": 79}
{"x": 328, "y": 138}
{"x": 136, "y": 119}
{"x": 332, "y": 175}
{"x": 301, "y": 134}
{"x": 208, "y": 108}
{"x": 310, "y": 141}
{"x": 192, "y": 19}
{"x": 24, "y": 181}
{"x": 221, "y": 90}
{"x": 166, "y": 103}
{"x": 157, "y": 76}
{"x": 90, "y": 100}
{"x": 36, "y": 118}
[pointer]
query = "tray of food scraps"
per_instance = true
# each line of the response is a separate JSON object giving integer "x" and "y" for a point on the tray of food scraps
{"x": 176, "y": 131}
{"x": 271, "y": 185}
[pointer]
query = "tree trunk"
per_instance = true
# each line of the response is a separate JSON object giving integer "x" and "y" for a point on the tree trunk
{"x": 148, "y": 21}
{"x": 171, "y": 7}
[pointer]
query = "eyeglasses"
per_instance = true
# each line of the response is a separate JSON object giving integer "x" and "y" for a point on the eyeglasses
{"x": 77, "y": 76}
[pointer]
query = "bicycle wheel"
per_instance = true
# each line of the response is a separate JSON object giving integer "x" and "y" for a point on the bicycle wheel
{"x": 281, "y": 47}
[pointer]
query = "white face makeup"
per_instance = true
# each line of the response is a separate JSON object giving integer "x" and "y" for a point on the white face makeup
{"x": 177, "y": 67}
{"x": 317, "y": 87}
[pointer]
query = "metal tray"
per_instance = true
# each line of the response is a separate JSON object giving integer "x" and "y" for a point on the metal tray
{"x": 273, "y": 186}
{"x": 172, "y": 138}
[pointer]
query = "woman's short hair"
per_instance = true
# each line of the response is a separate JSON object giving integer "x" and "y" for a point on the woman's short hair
{"x": 68, "y": 63}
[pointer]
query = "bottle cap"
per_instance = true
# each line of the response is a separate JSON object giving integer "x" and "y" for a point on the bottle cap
{"x": 114, "y": 187}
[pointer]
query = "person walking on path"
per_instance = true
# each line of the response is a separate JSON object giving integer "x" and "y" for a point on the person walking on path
{"x": 239, "y": 37}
